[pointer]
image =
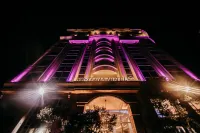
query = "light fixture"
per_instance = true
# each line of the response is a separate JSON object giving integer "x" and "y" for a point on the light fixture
{"x": 41, "y": 91}
{"x": 166, "y": 78}
{"x": 187, "y": 89}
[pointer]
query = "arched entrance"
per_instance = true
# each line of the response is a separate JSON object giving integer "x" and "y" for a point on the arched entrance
{"x": 125, "y": 122}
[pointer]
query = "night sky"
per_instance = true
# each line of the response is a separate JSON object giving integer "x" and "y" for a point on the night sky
{"x": 26, "y": 38}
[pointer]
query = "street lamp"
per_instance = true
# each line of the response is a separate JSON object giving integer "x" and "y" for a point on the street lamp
{"x": 41, "y": 91}
{"x": 187, "y": 89}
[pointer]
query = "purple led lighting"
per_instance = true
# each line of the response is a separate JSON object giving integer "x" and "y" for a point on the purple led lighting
{"x": 49, "y": 74}
{"x": 129, "y": 41}
{"x": 159, "y": 68}
{"x": 103, "y": 56}
{"x": 107, "y": 42}
{"x": 72, "y": 73}
{"x": 103, "y": 48}
{"x": 76, "y": 67}
{"x": 151, "y": 40}
{"x": 100, "y": 59}
{"x": 160, "y": 72}
{"x": 105, "y": 66}
{"x": 109, "y": 37}
{"x": 137, "y": 70}
{"x": 51, "y": 70}
{"x": 22, "y": 74}
{"x": 78, "y": 41}
{"x": 146, "y": 37}
{"x": 188, "y": 72}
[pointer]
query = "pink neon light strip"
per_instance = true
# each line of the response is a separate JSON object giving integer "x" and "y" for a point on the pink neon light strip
{"x": 146, "y": 37}
{"x": 50, "y": 71}
{"x": 109, "y": 37}
{"x": 103, "y": 48}
{"x": 22, "y": 74}
{"x": 104, "y": 55}
{"x": 187, "y": 71}
{"x": 129, "y": 41}
{"x": 100, "y": 59}
{"x": 78, "y": 41}
{"x": 76, "y": 66}
{"x": 160, "y": 69}
{"x": 107, "y": 42}
{"x": 104, "y": 66}
{"x": 136, "y": 68}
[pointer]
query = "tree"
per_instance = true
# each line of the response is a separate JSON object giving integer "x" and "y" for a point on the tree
{"x": 53, "y": 122}
{"x": 98, "y": 120}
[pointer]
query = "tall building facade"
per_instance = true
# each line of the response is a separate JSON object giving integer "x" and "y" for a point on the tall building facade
{"x": 122, "y": 70}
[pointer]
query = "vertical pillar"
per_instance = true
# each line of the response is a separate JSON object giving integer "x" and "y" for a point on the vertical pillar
{"x": 50, "y": 71}
{"x": 76, "y": 67}
{"x": 119, "y": 61}
{"x": 27, "y": 70}
{"x": 90, "y": 61}
{"x": 158, "y": 67}
{"x": 137, "y": 74}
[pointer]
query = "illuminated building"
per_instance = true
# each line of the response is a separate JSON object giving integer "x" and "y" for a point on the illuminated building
{"x": 112, "y": 68}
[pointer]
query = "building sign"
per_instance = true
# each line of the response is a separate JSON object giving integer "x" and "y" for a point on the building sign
{"x": 107, "y": 79}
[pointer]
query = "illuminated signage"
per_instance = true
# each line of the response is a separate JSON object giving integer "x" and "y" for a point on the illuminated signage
{"x": 107, "y": 79}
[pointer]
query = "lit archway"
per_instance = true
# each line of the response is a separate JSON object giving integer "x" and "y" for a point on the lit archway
{"x": 125, "y": 122}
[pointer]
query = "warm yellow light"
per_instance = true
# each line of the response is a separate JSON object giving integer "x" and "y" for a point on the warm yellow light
{"x": 104, "y": 74}
{"x": 109, "y": 102}
{"x": 187, "y": 89}
{"x": 41, "y": 91}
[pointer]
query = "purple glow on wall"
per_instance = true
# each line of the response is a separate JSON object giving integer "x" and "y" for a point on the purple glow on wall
{"x": 188, "y": 72}
{"x": 100, "y": 59}
{"x": 107, "y": 42}
{"x": 105, "y": 66}
{"x": 51, "y": 70}
{"x": 104, "y": 50}
{"x": 76, "y": 67}
{"x": 146, "y": 37}
{"x": 104, "y": 55}
{"x": 159, "y": 68}
{"x": 22, "y": 74}
{"x": 49, "y": 74}
{"x": 109, "y": 37}
{"x": 160, "y": 72}
{"x": 78, "y": 41}
{"x": 136, "y": 68}
{"x": 129, "y": 41}
{"x": 151, "y": 40}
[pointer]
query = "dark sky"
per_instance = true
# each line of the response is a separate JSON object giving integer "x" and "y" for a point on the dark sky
{"x": 27, "y": 37}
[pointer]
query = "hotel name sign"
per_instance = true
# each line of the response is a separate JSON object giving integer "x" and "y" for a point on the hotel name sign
{"x": 107, "y": 79}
